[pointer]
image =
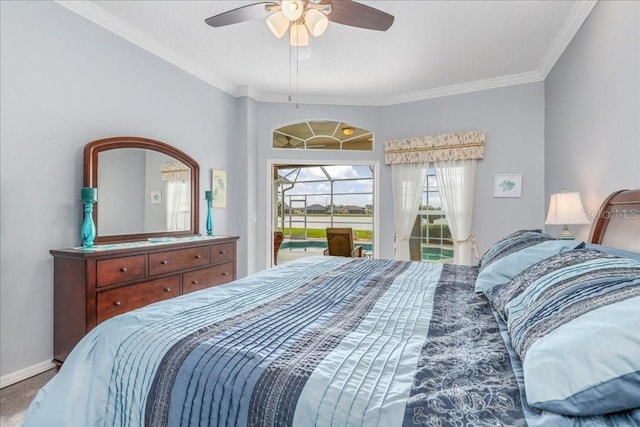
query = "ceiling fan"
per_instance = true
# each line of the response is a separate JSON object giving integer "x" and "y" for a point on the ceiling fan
{"x": 288, "y": 143}
{"x": 305, "y": 16}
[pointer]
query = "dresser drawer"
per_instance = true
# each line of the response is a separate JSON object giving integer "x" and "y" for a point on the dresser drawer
{"x": 127, "y": 298}
{"x": 207, "y": 277}
{"x": 222, "y": 252}
{"x": 116, "y": 270}
{"x": 181, "y": 259}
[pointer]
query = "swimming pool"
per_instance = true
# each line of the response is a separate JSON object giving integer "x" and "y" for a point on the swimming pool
{"x": 316, "y": 244}
{"x": 428, "y": 253}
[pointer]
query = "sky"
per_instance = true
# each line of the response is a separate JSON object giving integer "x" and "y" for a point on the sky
{"x": 345, "y": 192}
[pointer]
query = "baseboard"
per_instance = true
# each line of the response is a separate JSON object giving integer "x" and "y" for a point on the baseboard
{"x": 23, "y": 374}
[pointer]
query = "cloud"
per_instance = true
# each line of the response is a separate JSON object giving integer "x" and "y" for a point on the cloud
{"x": 320, "y": 192}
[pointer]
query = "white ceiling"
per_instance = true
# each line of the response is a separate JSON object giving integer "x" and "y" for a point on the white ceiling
{"x": 434, "y": 48}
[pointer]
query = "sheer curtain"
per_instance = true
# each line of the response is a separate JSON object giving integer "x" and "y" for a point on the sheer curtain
{"x": 408, "y": 182}
{"x": 173, "y": 192}
{"x": 456, "y": 182}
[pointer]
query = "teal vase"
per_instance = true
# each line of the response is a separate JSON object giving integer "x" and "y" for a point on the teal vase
{"x": 88, "y": 196}
{"x": 88, "y": 232}
{"x": 209, "y": 218}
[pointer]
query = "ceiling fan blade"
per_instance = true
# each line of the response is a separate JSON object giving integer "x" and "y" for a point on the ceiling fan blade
{"x": 240, "y": 14}
{"x": 348, "y": 12}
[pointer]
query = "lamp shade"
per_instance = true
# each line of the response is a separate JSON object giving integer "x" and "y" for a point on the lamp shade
{"x": 278, "y": 24}
{"x": 299, "y": 35}
{"x": 316, "y": 22}
{"x": 566, "y": 208}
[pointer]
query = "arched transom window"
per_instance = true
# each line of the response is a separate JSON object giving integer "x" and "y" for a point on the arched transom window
{"x": 323, "y": 135}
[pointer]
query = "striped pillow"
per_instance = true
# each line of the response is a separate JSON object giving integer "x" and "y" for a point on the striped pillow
{"x": 574, "y": 319}
{"x": 512, "y": 243}
{"x": 498, "y": 273}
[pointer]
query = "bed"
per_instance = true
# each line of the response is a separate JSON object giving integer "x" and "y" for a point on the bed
{"x": 541, "y": 332}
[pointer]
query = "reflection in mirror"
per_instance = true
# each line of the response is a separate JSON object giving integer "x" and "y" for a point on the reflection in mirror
{"x": 142, "y": 191}
{"x": 146, "y": 188}
{"x": 323, "y": 135}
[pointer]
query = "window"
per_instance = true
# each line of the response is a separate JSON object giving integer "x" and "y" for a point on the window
{"x": 184, "y": 207}
{"x": 322, "y": 135}
{"x": 431, "y": 238}
{"x": 310, "y": 198}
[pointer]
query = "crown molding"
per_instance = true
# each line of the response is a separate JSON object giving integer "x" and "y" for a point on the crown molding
{"x": 457, "y": 89}
{"x": 109, "y": 22}
{"x": 570, "y": 27}
{"x": 467, "y": 87}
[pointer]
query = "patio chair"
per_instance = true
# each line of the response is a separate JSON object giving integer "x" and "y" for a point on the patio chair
{"x": 340, "y": 243}
{"x": 278, "y": 237}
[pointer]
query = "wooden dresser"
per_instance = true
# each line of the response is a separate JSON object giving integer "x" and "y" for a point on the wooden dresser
{"x": 91, "y": 286}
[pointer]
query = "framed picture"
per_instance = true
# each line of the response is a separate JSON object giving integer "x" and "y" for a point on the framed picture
{"x": 507, "y": 185}
{"x": 219, "y": 187}
{"x": 156, "y": 197}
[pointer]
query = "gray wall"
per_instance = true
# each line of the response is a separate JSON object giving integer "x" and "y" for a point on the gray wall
{"x": 513, "y": 119}
{"x": 65, "y": 82}
{"x": 592, "y": 134}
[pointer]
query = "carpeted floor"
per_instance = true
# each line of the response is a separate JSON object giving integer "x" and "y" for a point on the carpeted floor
{"x": 15, "y": 399}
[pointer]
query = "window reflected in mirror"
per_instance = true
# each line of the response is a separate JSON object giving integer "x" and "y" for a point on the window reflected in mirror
{"x": 322, "y": 135}
{"x": 143, "y": 191}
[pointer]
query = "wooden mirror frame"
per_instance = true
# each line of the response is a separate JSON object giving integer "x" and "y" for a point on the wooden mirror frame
{"x": 91, "y": 151}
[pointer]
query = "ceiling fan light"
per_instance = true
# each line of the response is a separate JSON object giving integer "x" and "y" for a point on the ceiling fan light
{"x": 298, "y": 35}
{"x": 316, "y": 22}
{"x": 292, "y": 9}
{"x": 278, "y": 24}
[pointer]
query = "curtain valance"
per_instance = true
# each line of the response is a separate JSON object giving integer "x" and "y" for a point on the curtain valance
{"x": 451, "y": 146}
{"x": 175, "y": 171}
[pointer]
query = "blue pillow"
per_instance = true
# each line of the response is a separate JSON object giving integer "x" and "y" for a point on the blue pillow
{"x": 504, "y": 269}
{"x": 574, "y": 322}
{"x": 512, "y": 243}
{"x": 614, "y": 251}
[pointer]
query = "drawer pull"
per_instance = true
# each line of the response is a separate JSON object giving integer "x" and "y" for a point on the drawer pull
{"x": 195, "y": 282}
{"x": 123, "y": 269}
{"x": 223, "y": 252}
{"x": 198, "y": 256}
{"x": 225, "y": 274}
{"x": 167, "y": 289}
{"x": 117, "y": 303}
{"x": 165, "y": 262}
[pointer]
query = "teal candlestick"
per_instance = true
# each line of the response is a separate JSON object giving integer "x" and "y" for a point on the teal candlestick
{"x": 89, "y": 196}
{"x": 209, "y": 218}
{"x": 208, "y": 195}
{"x": 88, "y": 231}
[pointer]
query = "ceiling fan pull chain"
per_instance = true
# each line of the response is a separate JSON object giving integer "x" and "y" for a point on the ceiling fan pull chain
{"x": 292, "y": 97}
{"x": 297, "y": 75}
{"x": 289, "y": 97}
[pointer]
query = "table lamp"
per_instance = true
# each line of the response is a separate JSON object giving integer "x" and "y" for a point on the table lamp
{"x": 564, "y": 209}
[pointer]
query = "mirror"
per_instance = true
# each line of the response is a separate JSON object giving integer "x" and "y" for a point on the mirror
{"x": 146, "y": 188}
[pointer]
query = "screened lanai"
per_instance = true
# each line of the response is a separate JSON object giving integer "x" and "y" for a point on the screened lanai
{"x": 310, "y": 198}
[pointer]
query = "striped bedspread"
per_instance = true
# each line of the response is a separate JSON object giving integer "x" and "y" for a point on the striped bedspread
{"x": 325, "y": 341}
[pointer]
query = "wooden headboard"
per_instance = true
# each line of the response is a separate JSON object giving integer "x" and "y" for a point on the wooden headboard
{"x": 618, "y": 221}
